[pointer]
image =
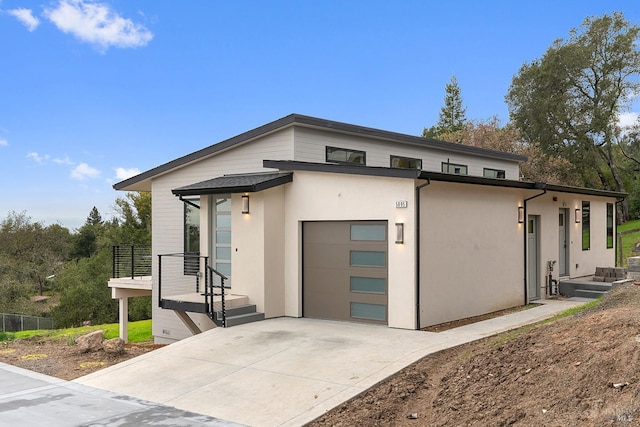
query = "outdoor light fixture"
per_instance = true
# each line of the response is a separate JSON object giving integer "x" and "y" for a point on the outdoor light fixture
{"x": 245, "y": 204}
{"x": 577, "y": 216}
{"x": 399, "y": 232}
{"x": 520, "y": 214}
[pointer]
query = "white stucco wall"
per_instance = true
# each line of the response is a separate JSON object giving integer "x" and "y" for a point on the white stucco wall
{"x": 257, "y": 244}
{"x": 471, "y": 251}
{"x": 314, "y": 196}
{"x": 581, "y": 263}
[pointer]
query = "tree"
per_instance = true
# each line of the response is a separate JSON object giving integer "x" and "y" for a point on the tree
{"x": 86, "y": 238}
{"x": 85, "y": 295}
{"x": 133, "y": 223}
{"x": 629, "y": 144}
{"x": 568, "y": 101}
{"x": 491, "y": 135}
{"x": 452, "y": 114}
{"x": 31, "y": 252}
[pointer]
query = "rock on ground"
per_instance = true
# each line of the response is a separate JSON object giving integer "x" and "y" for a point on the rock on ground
{"x": 114, "y": 346}
{"x": 90, "y": 342}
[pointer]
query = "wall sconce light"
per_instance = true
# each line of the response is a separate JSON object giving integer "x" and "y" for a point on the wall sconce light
{"x": 245, "y": 204}
{"x": 399, "y": 232}
{"x": 520, "y": 214}
{"x": 578, "y": 217}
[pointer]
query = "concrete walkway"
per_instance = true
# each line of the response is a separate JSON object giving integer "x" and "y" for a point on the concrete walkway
{"x": 287, "y": 371}
{"x": 29, "y": 399}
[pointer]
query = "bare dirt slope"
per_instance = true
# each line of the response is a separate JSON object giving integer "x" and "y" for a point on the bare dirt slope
{"x": 61, "y": 359}
{"x": 581, "y": 370}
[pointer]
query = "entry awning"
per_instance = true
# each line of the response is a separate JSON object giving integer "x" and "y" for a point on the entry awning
{"x": 244, "y": 183}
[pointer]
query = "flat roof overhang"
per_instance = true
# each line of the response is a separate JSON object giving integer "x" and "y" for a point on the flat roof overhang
{"x": 289, "y": 165}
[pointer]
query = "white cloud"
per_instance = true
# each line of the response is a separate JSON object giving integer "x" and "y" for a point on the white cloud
{"x": 96, "y": 23}
{"x": 83, "y": 171}
{"x": 627, "y": 119}
{"x": 3, "y": 142}
{"x": 63, "y": 161}
{"x": 37, "y": 157}
{"x": 26, "y": 18}
{"x": 122, "y": 173}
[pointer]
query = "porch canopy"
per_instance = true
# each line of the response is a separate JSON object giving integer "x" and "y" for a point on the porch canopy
{"x": 242, "y": 183}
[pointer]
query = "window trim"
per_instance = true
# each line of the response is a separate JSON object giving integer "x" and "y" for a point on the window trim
{"x": 610, "y": 226}
{"x": 409, "y": 159}
{"x": 498, "y": 171}
{"x": 350, "y": 151}
{"x": 448, "y": 166}
{"x": 191, "y": 264}
{"x": 586, "y": 225}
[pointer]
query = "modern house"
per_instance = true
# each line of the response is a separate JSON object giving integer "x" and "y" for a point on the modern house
{"x": 306, "y": 217}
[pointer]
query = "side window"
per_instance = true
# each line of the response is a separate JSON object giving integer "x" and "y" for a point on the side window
{"x": 493, "y": 173}
{"x": 586, "y": 226}
{"x": 346, "y": 155}
{"x": 191, "y": 222}
{"x": 454, "y": 168}
{"x": 610, "y": 222}
{"x": 406, "y": 162}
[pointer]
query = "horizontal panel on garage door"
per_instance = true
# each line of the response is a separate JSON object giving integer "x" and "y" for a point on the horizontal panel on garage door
{"x": 345, "y": 269}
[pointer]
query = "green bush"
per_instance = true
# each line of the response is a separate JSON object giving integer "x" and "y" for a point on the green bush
{"x": 139, "y": 308}
{"x": 85, "y": 295}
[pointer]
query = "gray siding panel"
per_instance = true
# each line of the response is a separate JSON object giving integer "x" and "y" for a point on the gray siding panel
{"x": 310, "y": 147}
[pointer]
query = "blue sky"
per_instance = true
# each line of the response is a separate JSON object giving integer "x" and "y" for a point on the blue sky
{"x": 92, "y": 92}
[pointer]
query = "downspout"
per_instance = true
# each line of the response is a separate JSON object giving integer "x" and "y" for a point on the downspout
{"x": 543, "y": 187}
{"x": 188, "y": 202}
{"x": 418, "y": 188}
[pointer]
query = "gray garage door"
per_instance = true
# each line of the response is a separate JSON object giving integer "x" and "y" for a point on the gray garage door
{"x": 345, "y": 270}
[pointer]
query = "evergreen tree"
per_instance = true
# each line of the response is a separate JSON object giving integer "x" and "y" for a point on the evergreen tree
{"x": 452, "y": 116}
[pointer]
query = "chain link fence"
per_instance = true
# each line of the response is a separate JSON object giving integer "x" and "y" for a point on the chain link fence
{"x": 20, "y": 322}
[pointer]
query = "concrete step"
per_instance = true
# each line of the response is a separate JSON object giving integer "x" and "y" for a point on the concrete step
{"x": 586, "y": 293}
{"x": 236, "y": 311}
{"x": 570, "y": 287}
{"x": 244, "y": 318}
{"x": 238, "y": 315}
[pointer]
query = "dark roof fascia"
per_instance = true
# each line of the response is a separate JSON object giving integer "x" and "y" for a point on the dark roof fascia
{"x": 586, "y": 191}
{"x": 208, "y": 151}
{"x": 291, "y": 165}
{"x": 195, "y": 190}
{"x": 526, "y": 185}
{"x": 316, "y": 123}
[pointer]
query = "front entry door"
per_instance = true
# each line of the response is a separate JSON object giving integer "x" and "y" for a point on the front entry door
{"x": 563, "y": 242}
{"x": 533, "y": 258}
{"x": 221, "y": 235}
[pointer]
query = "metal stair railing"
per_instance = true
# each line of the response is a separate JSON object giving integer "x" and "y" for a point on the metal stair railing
{"x": 190, "y": 268}
{"x": 130, "y": 261}
{"x": 210, "y": 285}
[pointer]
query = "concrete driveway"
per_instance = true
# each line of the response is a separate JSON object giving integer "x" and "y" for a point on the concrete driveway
{"x": 286, "y": 371}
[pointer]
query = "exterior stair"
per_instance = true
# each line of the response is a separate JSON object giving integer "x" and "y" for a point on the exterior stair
{"x": 584, "y": 288}
{"x": 238, "y": 315}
